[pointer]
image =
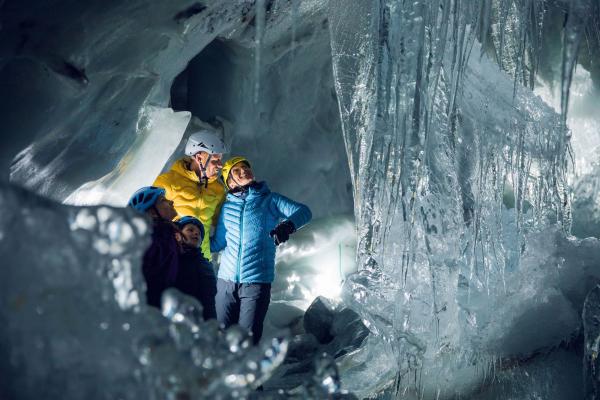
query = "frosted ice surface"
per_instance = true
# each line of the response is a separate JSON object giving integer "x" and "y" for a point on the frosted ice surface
{"x": 68, "y": 310}
{"x": 159, "y": 131}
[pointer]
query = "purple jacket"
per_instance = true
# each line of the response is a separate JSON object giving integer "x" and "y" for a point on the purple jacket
{"x": 161, "y": 261}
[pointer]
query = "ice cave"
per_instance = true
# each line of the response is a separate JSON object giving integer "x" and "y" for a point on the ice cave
{"x": 448, "y": 149}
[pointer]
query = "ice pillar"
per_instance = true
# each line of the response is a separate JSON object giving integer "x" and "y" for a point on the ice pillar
{"x": 435, "y": 139}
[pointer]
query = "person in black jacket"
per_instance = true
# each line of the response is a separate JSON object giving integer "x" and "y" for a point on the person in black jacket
{"x": 196, "y": 275}
{"x": 160, "y": 264}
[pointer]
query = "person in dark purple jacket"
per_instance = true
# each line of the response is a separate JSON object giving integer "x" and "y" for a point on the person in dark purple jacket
{"x": 196, "y": 275}
{"x": 161, "y": 261}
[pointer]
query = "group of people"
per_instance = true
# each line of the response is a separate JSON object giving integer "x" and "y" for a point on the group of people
{"x": 203, "y": 206}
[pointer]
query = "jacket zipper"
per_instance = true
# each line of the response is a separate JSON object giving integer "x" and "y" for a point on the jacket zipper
{"x": 237, "y": 272}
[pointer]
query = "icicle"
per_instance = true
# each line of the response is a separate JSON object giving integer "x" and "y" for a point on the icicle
{"x": 484, "y": 24}
{"x": 258, "y": 41}
{"x": 574, "y": 27}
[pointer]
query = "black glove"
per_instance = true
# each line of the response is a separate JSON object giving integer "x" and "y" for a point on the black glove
{"x": 282, "y": 232}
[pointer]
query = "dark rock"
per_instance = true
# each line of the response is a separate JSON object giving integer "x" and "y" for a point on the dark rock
{"x": 302, "y": 347}
{"x": 319, "y": 318}
{"x": 349, "y": 333}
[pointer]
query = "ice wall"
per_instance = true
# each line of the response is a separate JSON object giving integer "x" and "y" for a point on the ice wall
{"x": 78, "y": 78}
{"x": 106, "y": 154}
{"x": 455, "y": 165}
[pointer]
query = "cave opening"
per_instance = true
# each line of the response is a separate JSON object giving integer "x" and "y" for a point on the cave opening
{"x": 288, "y": 125}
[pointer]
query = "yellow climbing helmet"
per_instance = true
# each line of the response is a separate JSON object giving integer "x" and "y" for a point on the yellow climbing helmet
{"x": 229, "y": 164}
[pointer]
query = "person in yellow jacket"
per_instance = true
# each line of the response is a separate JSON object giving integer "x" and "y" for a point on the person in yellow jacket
{"x": 193, "y": 183}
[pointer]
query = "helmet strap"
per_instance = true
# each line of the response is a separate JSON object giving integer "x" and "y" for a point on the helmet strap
{"x": 203, "y": 177}
{"x": 238, "y": 187}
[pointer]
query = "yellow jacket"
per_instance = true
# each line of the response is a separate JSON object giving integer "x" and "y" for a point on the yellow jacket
{"x": 183, "y": 187}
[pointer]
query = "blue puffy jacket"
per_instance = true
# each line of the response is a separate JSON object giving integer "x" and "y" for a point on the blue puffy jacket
{"x": 243, "y": 231}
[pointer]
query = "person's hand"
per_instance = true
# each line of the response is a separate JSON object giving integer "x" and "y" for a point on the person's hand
{"x": 282, "y": 232}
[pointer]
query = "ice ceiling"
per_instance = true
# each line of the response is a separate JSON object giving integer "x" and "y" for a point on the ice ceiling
{"x": 463, "y": 135}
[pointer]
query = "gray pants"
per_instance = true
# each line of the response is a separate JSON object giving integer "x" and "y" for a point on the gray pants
{"x": 245, "y": 304}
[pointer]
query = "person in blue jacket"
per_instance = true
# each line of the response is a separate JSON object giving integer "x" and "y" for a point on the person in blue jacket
{"x": 253, "y": 221}
{"x": 160, "y": 264}
{"x": 196, "y": 275}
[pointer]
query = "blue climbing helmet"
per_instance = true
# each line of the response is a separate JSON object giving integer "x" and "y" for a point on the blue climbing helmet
{"x": 183, "y": 221}
{"x": 145, "y": 198}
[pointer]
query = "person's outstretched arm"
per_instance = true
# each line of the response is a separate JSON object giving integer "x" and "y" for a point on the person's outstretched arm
{"x": 290, "y": 210}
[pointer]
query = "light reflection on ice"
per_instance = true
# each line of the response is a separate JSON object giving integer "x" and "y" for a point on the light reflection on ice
{"x": 315, "y": 261}
{"x": 583, "y": 118}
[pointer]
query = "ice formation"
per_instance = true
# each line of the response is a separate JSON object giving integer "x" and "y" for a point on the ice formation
{"x": 465, "y": 187}
{"x": 438, "y": 137}
{"x": 74, "y": 327}
{"x": 93, "y": 71}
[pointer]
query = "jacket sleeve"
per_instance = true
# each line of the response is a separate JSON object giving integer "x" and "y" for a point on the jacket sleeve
{"x": 297, "y": 213}
{"x": 153, "y": 259}
{"x": 161, "y": 255}
{"x": 218, "y": 241}
{"x": 217, "y": 213}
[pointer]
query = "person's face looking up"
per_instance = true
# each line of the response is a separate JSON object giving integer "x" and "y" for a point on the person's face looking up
{"x": 191, "y": 235}
{"x": 240, "y": 175}
{"x": 165, "y": 208}
{"x": 214, "y": 164}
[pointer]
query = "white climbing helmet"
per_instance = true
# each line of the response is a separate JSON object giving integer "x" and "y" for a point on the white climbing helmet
{"x": 205, "y": 140}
